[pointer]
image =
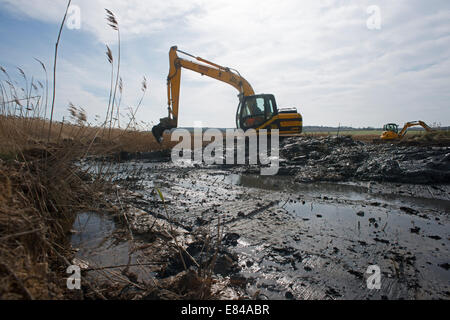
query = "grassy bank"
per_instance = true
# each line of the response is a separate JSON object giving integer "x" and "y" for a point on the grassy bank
{"x": 42, "y": 190}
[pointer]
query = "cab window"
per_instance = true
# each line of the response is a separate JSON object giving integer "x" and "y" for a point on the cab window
{"x": 270, "y": 111}
{"x": 254, "y": 107}
{"x": 253, "y": 112}
{"x": 238, "y": 114}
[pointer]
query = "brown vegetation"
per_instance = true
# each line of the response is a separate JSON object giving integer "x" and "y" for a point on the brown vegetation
{"x": 41, "y": 190}
{"x": 41, "y": 187}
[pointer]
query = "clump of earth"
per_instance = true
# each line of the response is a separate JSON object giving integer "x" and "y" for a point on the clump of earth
{"x": 344, "y": 159}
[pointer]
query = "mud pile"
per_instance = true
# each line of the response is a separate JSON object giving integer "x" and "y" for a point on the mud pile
{"x": 344, "y": 159}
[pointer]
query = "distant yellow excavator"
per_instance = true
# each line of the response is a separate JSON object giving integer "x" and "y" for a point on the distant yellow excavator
{"x": 391, "y": 130}
{"x": 254, "y": 111}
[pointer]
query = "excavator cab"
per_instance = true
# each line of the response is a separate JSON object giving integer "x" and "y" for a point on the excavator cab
{"x": 391, "y": 127}
{"x": 261, "y": 112}
{"x": 253, "y": 111}
{"x": 390, "y": 132}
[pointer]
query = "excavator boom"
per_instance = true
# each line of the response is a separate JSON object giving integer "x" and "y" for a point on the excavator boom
{"x": 412, "y": 124}
{"x": 206, "y": 68}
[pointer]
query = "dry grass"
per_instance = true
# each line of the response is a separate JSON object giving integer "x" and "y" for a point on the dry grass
{"x": 18, "y": 134}
{"x": 38, "y": 198}
{"x": 41, "y": 189}
{"x": 435, "y": 138}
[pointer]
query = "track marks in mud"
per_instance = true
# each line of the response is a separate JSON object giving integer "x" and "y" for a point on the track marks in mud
{"x": 242, "y": 215}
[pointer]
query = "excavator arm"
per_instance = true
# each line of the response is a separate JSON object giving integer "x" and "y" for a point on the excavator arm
{"x": 412, "y": 124}
{"x": 206, "y": 68}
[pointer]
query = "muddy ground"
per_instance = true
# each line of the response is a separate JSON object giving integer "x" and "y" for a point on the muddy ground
{"x": 336, "y": 207}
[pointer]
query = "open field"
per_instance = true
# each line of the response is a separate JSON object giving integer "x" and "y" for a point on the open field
{"x": 372, "y": 135}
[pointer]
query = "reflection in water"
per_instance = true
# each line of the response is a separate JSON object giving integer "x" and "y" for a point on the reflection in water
{"x": 341, "y": 191}
{"x": 93, "y": 238}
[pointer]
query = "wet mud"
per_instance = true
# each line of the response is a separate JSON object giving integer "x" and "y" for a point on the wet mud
{"x": 308, "y": 233}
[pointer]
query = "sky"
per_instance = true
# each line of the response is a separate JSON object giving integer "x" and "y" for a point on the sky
{"x": 353, "y": 63}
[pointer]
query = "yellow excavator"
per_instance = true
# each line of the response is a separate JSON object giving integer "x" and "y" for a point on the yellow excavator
{"x": 253, "y": 112}
{"x": 391, "y": 130}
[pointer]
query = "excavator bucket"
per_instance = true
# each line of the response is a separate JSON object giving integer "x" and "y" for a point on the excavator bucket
{"x": 158, "y": 130}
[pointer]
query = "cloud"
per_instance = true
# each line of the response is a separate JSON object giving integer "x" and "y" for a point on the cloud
{"x": 316, "y": 55}
{"x": 136, "y": 18}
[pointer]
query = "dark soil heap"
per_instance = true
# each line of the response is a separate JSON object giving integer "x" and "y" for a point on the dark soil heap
{"x": 344, "y": 159}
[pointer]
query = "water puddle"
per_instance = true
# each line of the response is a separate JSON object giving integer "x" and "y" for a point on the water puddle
{"x": 295, "y": 240}
{"x": 95, "y": 243}
{"x": 322, "y": 250}
{"x": 105, "y": 253}
{"x": 334, "y": 190}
